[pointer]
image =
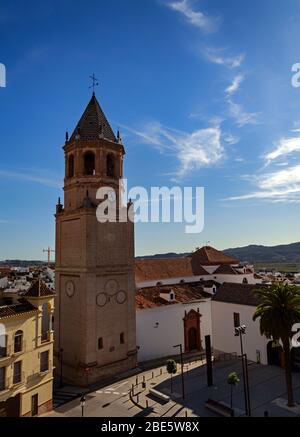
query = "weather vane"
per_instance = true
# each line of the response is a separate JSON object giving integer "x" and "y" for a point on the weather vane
{"x": 95, "y": 82}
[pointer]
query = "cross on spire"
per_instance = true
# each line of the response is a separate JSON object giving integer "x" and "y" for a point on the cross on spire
{"x": 95, "y": 82}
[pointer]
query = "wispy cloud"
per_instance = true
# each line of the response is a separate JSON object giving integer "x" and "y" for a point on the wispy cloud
{"x": 194, "y": 150}
{"x": 217, "y": 56}
{"x": 241, "y": 116}
{"x": 233, "y": 88}
{"x": 194, "y": 17}
{"x": 282, "y": 185}
{"x": 31, "y": 176}
{"x": 283, "y": 148}
{"x": 231, "y": 139}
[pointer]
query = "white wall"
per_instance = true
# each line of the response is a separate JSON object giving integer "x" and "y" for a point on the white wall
{"x": 223, "y": 338}
{"x": 172, "y": 281}
{"x": 235, "y": 279}
{"x": 158, "y": 342}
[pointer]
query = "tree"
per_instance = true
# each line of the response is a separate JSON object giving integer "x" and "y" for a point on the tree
{"x": 233, "y": 381}
{"x": 172, "y": 370}
{"x": 278, "y": 311}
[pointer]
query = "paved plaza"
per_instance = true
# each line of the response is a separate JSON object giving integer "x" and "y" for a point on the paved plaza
{"x": 267, "y": 392}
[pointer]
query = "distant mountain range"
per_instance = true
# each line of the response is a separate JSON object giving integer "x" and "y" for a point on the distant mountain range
{"x": 21, "y": 263}
{"x": 289, "y": 253}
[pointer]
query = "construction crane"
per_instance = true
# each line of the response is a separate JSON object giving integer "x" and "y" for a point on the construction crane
{"x": 48, "y": 251}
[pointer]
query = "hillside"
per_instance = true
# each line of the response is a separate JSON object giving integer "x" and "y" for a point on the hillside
{"x": 289, "y": 253}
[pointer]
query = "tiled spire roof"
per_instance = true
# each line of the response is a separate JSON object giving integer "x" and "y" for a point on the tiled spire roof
{"x": 39, "y": 289}
{"x": 93, "y": 124}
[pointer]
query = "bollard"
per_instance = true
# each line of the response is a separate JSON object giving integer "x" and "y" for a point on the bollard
{"x": 152, "y": 375}
{"x": 147, "y": 403}
{"x": 144, "y": 379}
{"x": 186, "y": 413}
{"x": 161, "y": 371}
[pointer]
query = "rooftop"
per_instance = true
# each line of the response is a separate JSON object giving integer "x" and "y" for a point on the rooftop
{"x": 39, "y": 289}
{"x": 156, "y": 269}
{"x": 241, "y": 294}
{"x": 93, "y": 124}
{"x": 151, "y": 297}
{"x": 208, "y": 256}
{"x": 20, "y": 308}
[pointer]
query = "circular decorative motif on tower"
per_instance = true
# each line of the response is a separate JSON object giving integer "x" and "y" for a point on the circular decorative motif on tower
{"x": 70, "y": 288}
{"x": 121, "y": 297}
{"x": 111, "y": 286}
{"x": 101, "y": 299}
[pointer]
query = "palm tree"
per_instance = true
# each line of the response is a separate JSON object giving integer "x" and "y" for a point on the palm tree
{"x": 278, "y": 311}
{"x": 233, "y": 381}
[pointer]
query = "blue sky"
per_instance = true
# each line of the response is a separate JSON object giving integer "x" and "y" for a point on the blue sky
{"x": 201, "y": 91}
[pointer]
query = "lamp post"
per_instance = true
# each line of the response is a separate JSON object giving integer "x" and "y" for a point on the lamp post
{"x": 182, "y": 369}
{"x": 82, "y": 403}
{"x": 239, "y": 332}
{"x": 61, "y": 351}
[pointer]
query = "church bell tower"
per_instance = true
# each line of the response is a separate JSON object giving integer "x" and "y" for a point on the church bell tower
{"x": 95, "y": 308}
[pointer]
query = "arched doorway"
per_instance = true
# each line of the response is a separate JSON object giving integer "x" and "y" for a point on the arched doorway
{"x": 274, "y": 351}
{"x": 192, "y": 339}
{"x": 192, "y": 332}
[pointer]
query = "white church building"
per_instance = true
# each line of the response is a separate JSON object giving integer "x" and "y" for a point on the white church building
{"x": 181, "y": 300}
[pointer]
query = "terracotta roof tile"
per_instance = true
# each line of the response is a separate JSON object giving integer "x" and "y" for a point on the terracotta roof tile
{"x": 39, "y": 289}
{"x": 242, "y": 294}
{"x": 159, "y": 269}
{"x": 20, "y": 308}
{"x": 208, "y": 256}
{"x": 150, "y": 297}
{"x": 226, "y": 269}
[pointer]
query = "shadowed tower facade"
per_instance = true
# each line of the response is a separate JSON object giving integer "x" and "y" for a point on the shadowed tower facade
{"x": 95, "y": 307}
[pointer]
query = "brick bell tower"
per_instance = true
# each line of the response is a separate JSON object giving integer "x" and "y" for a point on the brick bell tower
{"x": 95, "y": 327}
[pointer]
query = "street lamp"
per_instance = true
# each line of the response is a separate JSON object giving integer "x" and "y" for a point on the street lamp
{"x": 239, "y": 332}
{"x": 82, "y": 403}
{"x": 182, "y": 369}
